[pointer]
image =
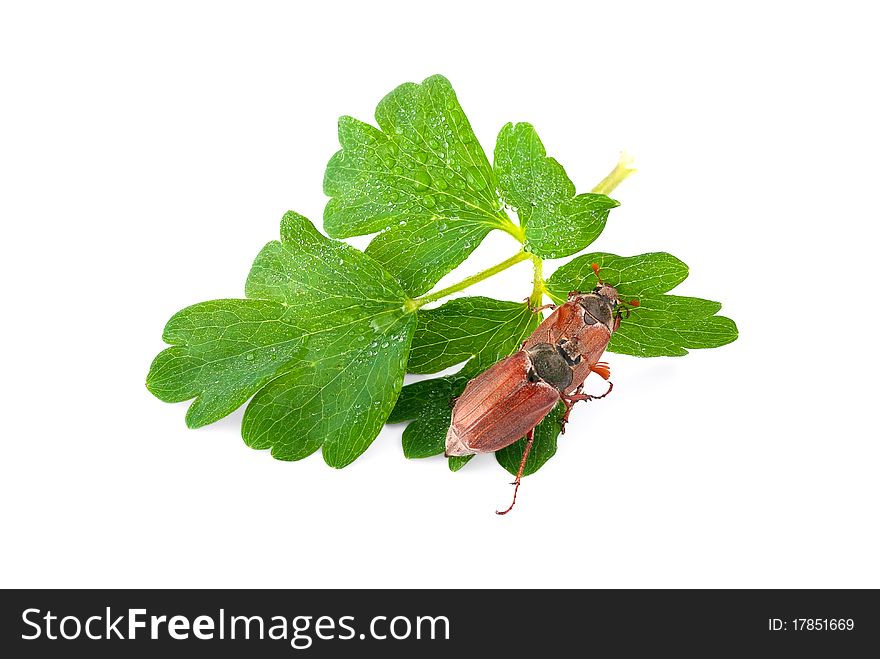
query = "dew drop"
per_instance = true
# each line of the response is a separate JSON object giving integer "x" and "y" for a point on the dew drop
{"x": 387, "y": 150}
{"x": 422, "y": 180}
{"x": 474, "y": 177}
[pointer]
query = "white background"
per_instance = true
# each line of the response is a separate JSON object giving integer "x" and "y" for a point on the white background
{"x": 148, "y": 152}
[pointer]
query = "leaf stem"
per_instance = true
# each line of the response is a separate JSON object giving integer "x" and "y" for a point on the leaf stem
{"x": 538, "y": 288}
{"x": 622, "y": 169}
{"x": 513, "y": 229}
{"x": 412, "y": 305}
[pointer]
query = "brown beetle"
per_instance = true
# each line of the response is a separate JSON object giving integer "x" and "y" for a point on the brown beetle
{"x": 510, "y": 398}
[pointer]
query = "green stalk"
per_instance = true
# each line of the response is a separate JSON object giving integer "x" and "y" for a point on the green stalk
{"x": 513, "y": 229}
{"x": 538, "y": 287}
{"x": 412, "y": 305}
{"x": 622, "y": 169}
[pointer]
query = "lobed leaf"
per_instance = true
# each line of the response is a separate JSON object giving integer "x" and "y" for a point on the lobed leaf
{"x": 557, "y": 223}
{"x": 424, "y": 183}
{"x": 669, "y": 325}
{"x": 223, "y": 352}
{"x": 655, "y": 272}
{"x": 662, "y": 325}
{"x": 321, "y": 345}
{"x": 421, "y": 179}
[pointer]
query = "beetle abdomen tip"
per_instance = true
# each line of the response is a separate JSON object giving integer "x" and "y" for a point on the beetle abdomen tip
{"x": 454, "y": 444}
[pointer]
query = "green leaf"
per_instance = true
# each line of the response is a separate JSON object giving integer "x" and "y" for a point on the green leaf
{"x": 544, "y": 447}
{"x": 494, "y": 330}
{"x": 462, "y": 328}
{"x": 224, "y": 351}
{"x": 421, "y": 179}
{"x": 333, "y": 321}
{"x": 655, "y": 272}
{"x": 668, "y": 325}
{"x": 662, "y": 325}
{"x": 557, "y": 223}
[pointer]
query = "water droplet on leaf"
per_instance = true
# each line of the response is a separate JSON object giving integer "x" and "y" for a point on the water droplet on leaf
{"x": 422, "y": 180}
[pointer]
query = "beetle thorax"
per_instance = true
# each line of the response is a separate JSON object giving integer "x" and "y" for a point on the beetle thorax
{"x": 599, "y": 307}
{"x": 549, "y": 365}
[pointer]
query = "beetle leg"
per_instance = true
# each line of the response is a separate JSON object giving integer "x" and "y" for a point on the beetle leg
{"x": 569, "y": 401}
{"x": 522, "y": 465}
{"x": 528, "y": 301}
{"x": 576, "y": 396}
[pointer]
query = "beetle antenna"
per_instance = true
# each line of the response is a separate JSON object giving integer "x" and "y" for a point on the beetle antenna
{"x": 595, "y": 267}
{"x": 522, "y": 465}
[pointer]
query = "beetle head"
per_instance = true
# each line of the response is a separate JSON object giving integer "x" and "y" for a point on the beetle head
{"x": 603, "y": 304}
{"x": 598, "y": 306}
{"x": 609, "y": 292}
